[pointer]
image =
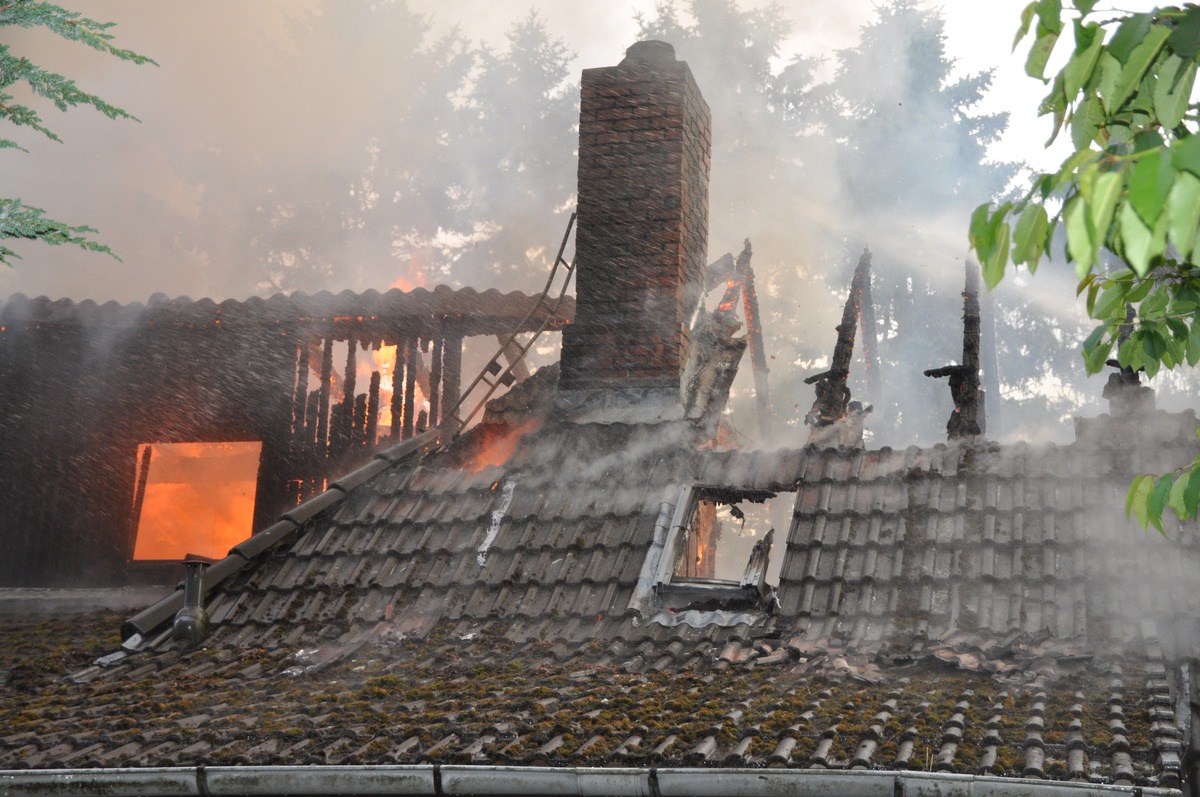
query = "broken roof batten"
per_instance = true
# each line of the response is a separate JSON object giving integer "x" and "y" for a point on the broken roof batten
{"x": 419, "y": 779}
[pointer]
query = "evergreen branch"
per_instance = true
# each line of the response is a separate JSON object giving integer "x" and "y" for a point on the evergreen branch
{"x": 58, "y": 89}
{"x": 29, "y": 223}
{"x": 23, "y": 115}
{"x": 68, "y": 24}
{"x": 25, "y": 221}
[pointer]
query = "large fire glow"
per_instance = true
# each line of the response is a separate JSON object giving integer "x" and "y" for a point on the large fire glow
{"x": 383, "y": 359}
{"x": 198, "y": 499}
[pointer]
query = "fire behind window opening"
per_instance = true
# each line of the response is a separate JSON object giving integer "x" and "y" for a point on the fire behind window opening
{"x": 721, "y": 536}
{"x": 193, "y": 498}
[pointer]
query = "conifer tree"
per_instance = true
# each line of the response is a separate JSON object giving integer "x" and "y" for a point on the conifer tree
{"x": 18, "y": 220}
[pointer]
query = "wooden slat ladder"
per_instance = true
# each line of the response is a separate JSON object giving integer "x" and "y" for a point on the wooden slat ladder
{"x": 495, "y": 374}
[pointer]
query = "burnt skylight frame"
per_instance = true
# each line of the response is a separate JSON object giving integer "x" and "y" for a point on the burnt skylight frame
{"x": 675, "y": 592}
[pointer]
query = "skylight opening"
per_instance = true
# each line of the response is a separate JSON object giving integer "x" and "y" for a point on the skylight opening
{"x": 722, "y": 530}
{"x": 193, "y": 498}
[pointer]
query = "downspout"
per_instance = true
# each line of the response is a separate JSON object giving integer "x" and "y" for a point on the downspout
{"x": 429, "y": 779}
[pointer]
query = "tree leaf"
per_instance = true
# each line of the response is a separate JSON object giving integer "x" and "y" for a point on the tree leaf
{"x": 1129, "y": 34}
{"x": 1193, "y": 345}
{"x": 993, "y": 269}
{"x": 1089, "y": 43}
{"x": 1152, "y": 308}
{"x": 1135, "y": 66}
{"x": 1085, "y": 6}
{"x": 989, "y": 237}
{"x": 1136, "y": 237}
{"x": 1050, "y": 16}
{"x": 1175, "y": 499}
{"x": 1173, "y": 90}
{"x": 1106, "y": 190}
{"x": 1153, "y": 344}
{"x": 1185, "y": 39}
{"x": 1086, "y": 122}
{"x": 1026, "y": 21}
{"x": 1080, "y": 245}
{"x": 1149, "y": 181}
{"x": 1191, "y": 493}
{"x": 1039, "y": 54}
{"x": 1185, "y": 154}
{"x": 1112, "y": 302}
{"x": 1095, "y": 359}
{"x": 1130, "y": 354}
{"x": 1029, "y": 238}
{"x": 1140, "y": 290}
{"x": 1135, "y": 500}
{"x": 1157, "y": 500}
{"x": 1106, "y": 86}
{"x": 1183, "y": 212}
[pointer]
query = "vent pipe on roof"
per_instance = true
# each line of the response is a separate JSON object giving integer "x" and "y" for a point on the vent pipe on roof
{"x": 191, "y": 622}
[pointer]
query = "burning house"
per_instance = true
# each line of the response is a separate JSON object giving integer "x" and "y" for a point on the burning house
{"x": 573, "y": 616}
{"x": 180, "y": 426}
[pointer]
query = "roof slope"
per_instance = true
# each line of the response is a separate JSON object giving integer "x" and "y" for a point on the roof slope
{"x": 968, "y": 607}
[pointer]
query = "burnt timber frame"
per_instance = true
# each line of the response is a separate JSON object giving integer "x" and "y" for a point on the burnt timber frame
{"x": 82, "y": 385}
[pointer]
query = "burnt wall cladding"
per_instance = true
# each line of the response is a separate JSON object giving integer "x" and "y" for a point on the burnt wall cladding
{"x": 643, "y": 224}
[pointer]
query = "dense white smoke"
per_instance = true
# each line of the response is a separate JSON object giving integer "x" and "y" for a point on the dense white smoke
{"x": 266, "y": 122}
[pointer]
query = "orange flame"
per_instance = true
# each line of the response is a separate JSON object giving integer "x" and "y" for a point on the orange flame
{"x": 498, "y": 444}
{"x": 383, "y": 360}
{"x": 199, "y": 499}
{"x": 413, "y": 278}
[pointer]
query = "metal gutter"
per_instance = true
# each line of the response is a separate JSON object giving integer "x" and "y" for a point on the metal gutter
{"x": 435, "y": 779}
{"x": 146, "y": 621}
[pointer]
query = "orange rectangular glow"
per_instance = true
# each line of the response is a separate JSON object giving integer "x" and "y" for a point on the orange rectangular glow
{"x": 198, "y": 498}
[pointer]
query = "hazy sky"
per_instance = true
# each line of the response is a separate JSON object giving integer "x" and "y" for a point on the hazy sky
{"x": 144, "y": 187}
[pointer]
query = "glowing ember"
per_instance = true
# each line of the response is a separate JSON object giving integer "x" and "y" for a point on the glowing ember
{"x": 198, "y": 498}
{"x": 498, "y": 444}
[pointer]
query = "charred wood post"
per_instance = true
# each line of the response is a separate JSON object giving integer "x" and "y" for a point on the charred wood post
{"x": 412, "y": 356}
{"x": 435, "y": 382}
{"x": 758, "y": 357}
{"x": 451, "y": 372}
{"x": 397, "y": 389}
{"x": 299, "y": 399}
{"x": 372, "y": 427}
{"x": 343, "y": 418}
{"x": 738, "y": 276}
{"x": 968, "y": 417}
{"x": 833, "y": 396}
{"x": 324, "y": 388}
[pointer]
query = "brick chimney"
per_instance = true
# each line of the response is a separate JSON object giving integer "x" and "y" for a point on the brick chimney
{"x": 642, "y": 236}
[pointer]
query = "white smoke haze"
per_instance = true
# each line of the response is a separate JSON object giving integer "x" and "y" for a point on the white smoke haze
{"x": 297, "y": 146}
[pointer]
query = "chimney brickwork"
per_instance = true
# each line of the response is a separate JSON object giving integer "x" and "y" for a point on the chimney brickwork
{"x": 642, "y": 235}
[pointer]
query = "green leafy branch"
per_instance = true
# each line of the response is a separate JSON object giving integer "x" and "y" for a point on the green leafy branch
{"x": 22, "y": 221}
{"x": 1130, "y": 187}
{"x": 25, "y": 221}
